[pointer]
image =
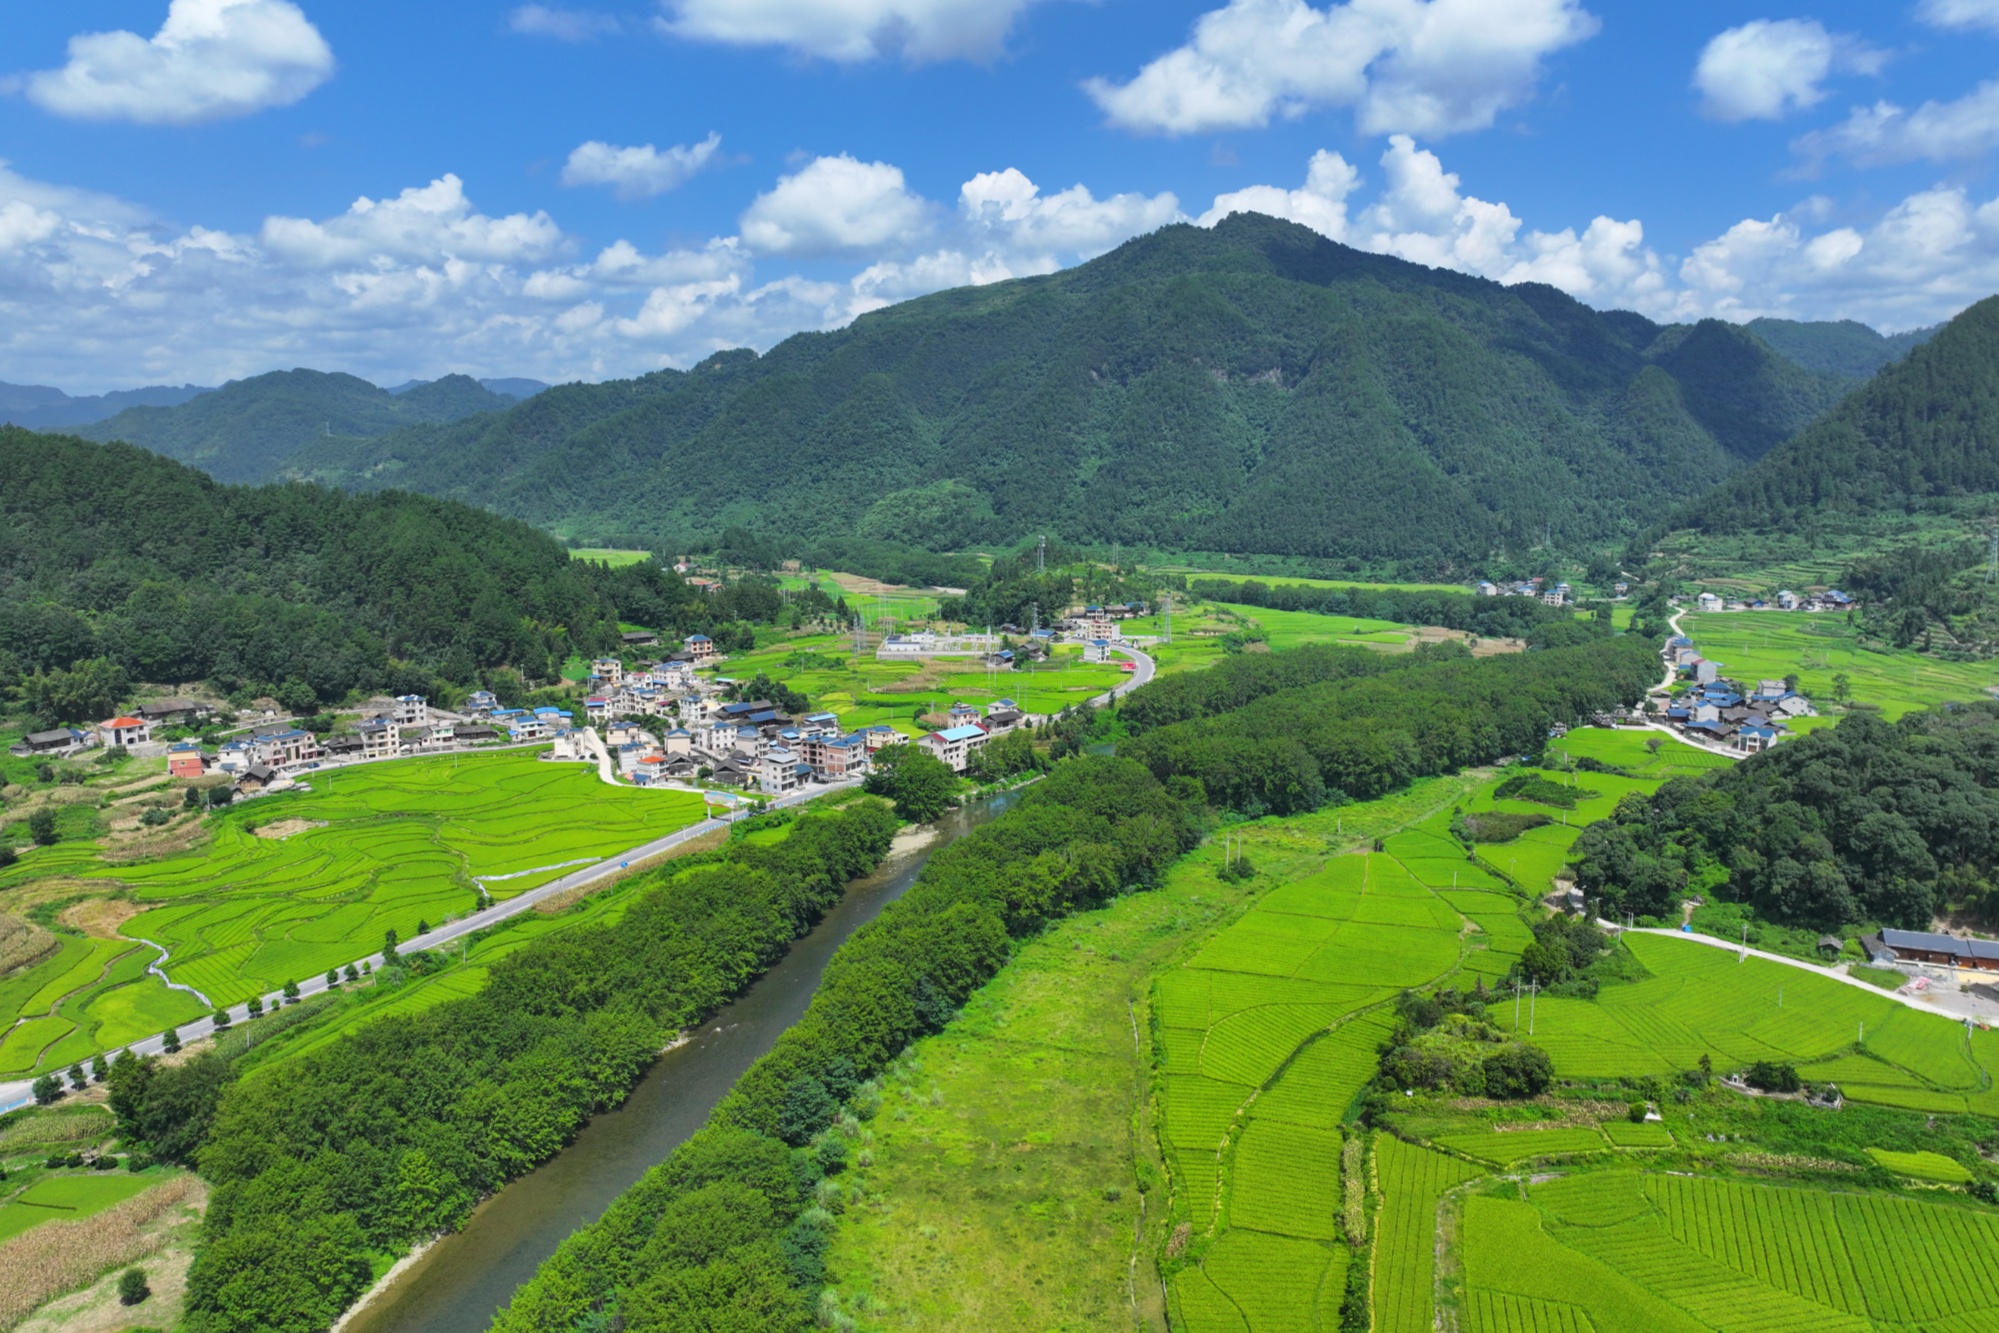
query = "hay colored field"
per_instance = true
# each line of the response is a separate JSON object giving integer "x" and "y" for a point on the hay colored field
{"x": 68, "y": 1198}
{"x": 382, "y": 846}
{"x": 1758, "y": 645}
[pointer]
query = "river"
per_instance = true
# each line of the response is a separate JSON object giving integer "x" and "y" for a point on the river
{"x": 463, "y": 1280}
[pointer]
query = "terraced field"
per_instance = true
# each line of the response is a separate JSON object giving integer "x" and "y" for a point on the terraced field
{"x": 379, "y": 846}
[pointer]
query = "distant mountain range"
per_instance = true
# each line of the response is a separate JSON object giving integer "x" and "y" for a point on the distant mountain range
{"x": 38, "y": 407}
{"x": 1252, "y": 387}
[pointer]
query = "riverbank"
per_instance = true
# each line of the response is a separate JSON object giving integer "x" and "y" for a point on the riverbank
{"x": 461, "y": 1282}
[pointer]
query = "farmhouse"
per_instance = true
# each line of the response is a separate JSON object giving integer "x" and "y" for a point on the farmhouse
{"x": 125, "y": 732}
{"x": 257, "y": 778}
{"x": 1922, "y": 946}
{"x": 954, "y": 745}
{"x": 481, "y": 702}
{"x": 186, "y": 761}
{"x": 58, "y": 742}
{"x": 411, "y": 710}
{"x": 639, "y": 638}
{"x": 173, "y": 712}
{"x": 699, "y": 647}
{"x": 379, "y": 738}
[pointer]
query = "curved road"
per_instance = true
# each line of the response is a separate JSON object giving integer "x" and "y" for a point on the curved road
{"x": 1147, "y": 669}
{"x": 18, "y": 1094}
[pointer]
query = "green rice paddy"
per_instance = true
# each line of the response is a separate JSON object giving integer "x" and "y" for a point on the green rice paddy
{"x": 1769, "y": 645}
{"x": 377, "y": 847}
{"x": 69, "y": 1198}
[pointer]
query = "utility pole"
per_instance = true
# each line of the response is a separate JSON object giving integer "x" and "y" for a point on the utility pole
{"x": 1533, "y": 993}
{"x": 1516, "y": 1008}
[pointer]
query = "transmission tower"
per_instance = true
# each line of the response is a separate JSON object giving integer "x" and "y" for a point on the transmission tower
{"x": 860, "y": 635}
{"x": 1166, "y": 616}
{"x": 1041, "y": 555}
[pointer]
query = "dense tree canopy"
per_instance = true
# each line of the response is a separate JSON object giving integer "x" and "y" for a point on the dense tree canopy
{"x": 1867, "y": 821}
{"x": 390, "y": 1134}
{"x": 113, "y": 559}
{"x": 1359, "y": 732}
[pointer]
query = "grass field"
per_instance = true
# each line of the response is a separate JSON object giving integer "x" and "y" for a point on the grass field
{"x": 378, "y": 846}
{"x": 69, "y": 1197}
{"x": 1769, "y": 645}
{"x": 605, "y": 555}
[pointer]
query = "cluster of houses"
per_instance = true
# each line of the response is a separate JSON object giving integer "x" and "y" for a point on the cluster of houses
{"x": 1559, "y": 594}
{"x": 1832, "y": 599}
{"x": 751, "y": 744}
{"x": 1719, "y": 712}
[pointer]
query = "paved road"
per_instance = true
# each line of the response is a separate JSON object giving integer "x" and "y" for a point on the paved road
{"x": 1147, "y": 668}
{"x": 17, "y": 1094}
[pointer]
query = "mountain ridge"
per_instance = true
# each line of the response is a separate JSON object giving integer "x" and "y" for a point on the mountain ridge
{"x": 1252, "y": 386}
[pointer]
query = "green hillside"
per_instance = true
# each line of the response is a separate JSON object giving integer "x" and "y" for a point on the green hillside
{"x": 248, "y": 429}
{"x": 1254, "y": 387}
{"x": 1922, "y": 434}
{"x": 1846, "y": 347}
{"x": 110, "y": 552}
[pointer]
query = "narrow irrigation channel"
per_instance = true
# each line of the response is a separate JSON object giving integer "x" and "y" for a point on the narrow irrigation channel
{"x": 463, "y": 1280}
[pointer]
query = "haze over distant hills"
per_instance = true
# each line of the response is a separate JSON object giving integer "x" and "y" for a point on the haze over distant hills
{"x": 1251, "y": 387}
{"x": 248, "y": 428}
{"x": 39, "y": 407}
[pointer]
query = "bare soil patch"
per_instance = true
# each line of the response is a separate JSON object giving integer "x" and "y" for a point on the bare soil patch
{"x": 23, "y": 944}
{"x": 100, "y": 917}
{"x": 281, "y": 829}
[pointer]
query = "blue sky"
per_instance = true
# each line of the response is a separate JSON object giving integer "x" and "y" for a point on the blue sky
{"x": 197, "y": 190}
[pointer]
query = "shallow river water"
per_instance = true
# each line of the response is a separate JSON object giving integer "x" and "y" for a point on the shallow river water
{"x": 464, "y": 1279}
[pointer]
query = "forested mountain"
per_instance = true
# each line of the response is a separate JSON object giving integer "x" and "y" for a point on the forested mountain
{"x": 38, "y": 407}
{"x": 115, "y": 556}
{"x": 1924, "y": 431}
{"x": 249, "y": 429}
{"x": 1251, "y": 387}
{"x": 1846, "y": 348}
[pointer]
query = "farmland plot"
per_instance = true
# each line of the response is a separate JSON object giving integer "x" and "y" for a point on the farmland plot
{"x": 380, "y": 846}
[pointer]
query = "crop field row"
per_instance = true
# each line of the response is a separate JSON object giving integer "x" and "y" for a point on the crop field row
{"x": 1734, "y": 1254}
{"x": 1410, "y": 1181}
{"x": 382, "y": 846}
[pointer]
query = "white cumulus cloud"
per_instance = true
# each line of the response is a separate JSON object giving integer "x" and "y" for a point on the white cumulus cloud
{"x": 835, "y": 205}
{"x": 1960, "y": 13}
{"x": 852, "y": 30}
{"x": 1008, "y": 210}
{"x": 1885, "y": 133}
{"x": 211, "y": 59}
{"x": 1764, "y": 70}
{"x": 565, "y": 25}
{"x": 641, "y": 172}
{"x": 434, "y": 221}
{"x": 1320, "y": 205}
{"x": 1428, "y": 67}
